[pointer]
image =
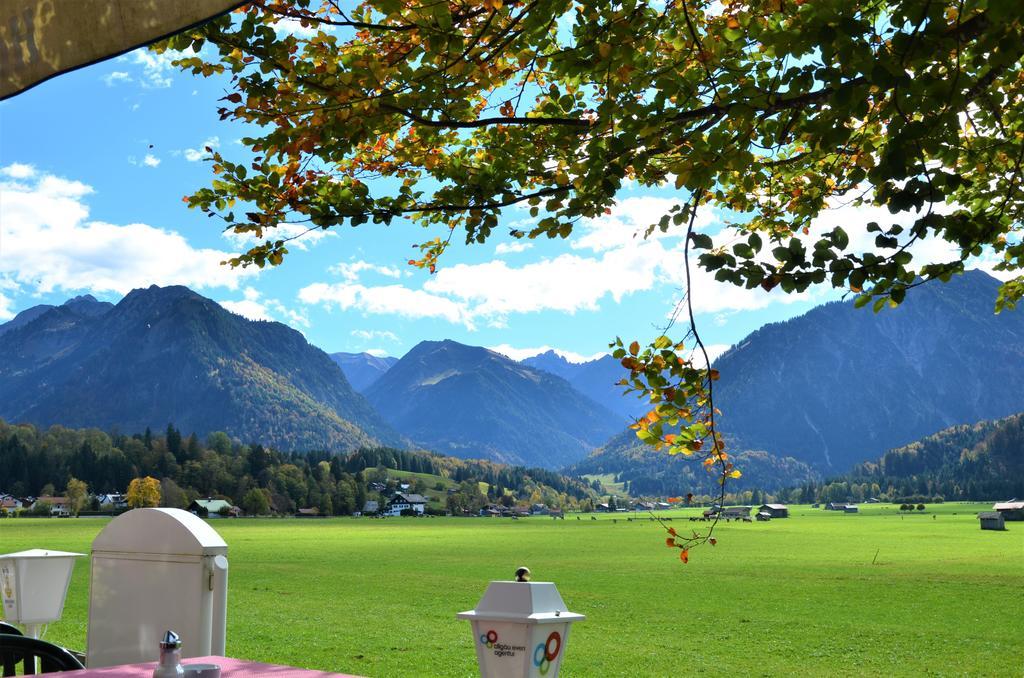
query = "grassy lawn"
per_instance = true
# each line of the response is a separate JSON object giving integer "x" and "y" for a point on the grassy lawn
{"x": 798, "y": 596}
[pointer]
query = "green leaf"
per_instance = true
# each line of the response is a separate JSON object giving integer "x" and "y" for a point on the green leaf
{"x": 701, "y": 241}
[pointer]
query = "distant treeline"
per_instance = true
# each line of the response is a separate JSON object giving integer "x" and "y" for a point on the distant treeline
{"x": 646, "y": 473}
{"x": 977, "y": 462}
{"x": 516, "y": 478}
{"x": 35, "y": 462}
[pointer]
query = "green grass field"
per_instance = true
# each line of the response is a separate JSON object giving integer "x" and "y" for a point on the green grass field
{"x": 790, "y": 597}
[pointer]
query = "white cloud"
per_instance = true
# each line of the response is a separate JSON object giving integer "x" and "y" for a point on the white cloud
{"x": 18, "y": 170}
{"x": 616, "y": 266}
{"x": 567, "y": 283}
{"x": 377, "y": 352}
{"x": 303, "y": 236}
{"x": 196, "y": 154}
{"x": 151, "y": 160}
{"x": 290, "y": 26}
{"x": 628, "y": 221}
{"x": 523, "y": 353}
{"x": 253, "y": 310}
{"x": 115, "y": 77}
{"x": 512, "y": 247}
{"x": 157, "y": 68}
{"x": 253, "y": 307}
{"x": 715, "y": 350}
{"x": 350, "y": 271}
{"x": 6, "y": 307}
{"x": 371, "y": 335}
{"x": 48, "y": 243}
{"x": 386, "y": 300}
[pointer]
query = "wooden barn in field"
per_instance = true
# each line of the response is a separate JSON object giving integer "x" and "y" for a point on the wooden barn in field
{"x": 774, "y": 510}
{"x": 991, "y": 520}
{"x": 736, "y": 512}
{"x": 1010, "y": 510}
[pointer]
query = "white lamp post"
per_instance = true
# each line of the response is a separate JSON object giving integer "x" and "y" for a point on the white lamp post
{"x": 33, "y": 586}
{"x": 520, "y": 630}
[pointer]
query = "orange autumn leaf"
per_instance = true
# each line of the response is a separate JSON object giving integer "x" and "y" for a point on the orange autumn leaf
{"x": 672, "y": 531}
{"x": 684, "y": 555}
{"x": 670, "y": 542}
{"x": 712, "y": 541}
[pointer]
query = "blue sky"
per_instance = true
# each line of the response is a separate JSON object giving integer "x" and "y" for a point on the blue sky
{"x": 94, "y": 164}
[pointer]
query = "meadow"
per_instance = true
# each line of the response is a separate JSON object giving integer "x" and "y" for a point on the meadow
{"x": 791, "y": 597}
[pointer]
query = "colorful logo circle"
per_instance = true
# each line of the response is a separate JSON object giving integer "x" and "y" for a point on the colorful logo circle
{"x": 489, "y": 638}
{"x": 545, "y": 653}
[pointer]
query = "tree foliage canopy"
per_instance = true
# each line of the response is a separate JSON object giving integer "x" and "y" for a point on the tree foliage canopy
{"x": 771, "y": 110}
{"x": 445, "y": 112}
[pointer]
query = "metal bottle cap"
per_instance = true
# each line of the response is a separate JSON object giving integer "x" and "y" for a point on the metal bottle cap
{"x": 171, "y": 641}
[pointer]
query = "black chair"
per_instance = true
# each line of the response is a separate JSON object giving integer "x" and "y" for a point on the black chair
{"x": 9, "y": 630}
{"x": 19, "y": 649}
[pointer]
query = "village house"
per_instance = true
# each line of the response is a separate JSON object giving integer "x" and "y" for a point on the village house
{"x": 774, "y": 510}
{"x": 842, "y": 506}
{"x": 9, "y": 503}
{"x": 404, "y": 502}
{"x": 60, "y": 507}
{"x": 763, "y": 516}
{"x": 112, "y": 502}
{"x": 371, "y": 507}
{"x": 311, "y": 512}
{"x": 213, "y": 508}
{"x": 1010, "y": 510}
{"x": 991, "y": 520}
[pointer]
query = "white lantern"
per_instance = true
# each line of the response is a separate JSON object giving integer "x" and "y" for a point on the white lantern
{"x": 33, "y": 586}
{"x": 520, "y": 630}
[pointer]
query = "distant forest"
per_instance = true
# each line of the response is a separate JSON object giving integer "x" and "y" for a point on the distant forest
{"x": 983, "y": 461}
{"x": 254, "y": 477}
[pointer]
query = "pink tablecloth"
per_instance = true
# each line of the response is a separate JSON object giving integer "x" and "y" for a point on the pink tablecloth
{"x": 229, "y": 668}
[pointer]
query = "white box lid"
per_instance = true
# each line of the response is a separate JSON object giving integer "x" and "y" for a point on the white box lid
{"x": 159, "y": 530}
{"x": 537, "y": 602}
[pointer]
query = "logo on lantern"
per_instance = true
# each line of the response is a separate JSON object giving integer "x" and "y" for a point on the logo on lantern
{"x": 544, "y": 655}
{"x": 489, "y": 638}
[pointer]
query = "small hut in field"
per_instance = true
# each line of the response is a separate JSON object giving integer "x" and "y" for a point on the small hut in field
{"x": 736, "y": 512}
{"x": 774, "y": 510}
{"x": 991, "y": 520}
{"x": 1010, "y": 510}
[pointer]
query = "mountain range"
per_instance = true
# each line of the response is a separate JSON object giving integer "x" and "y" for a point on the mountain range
{"x": 840, "y": 385}
{"x": 815, "y": 394}
{"x": 362, "y": 369}
{"x": 468, "y": 402}
{"x": 596, "y": 379}
{"x": 170, "y": 355}
{"x": 967, "y": 461}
